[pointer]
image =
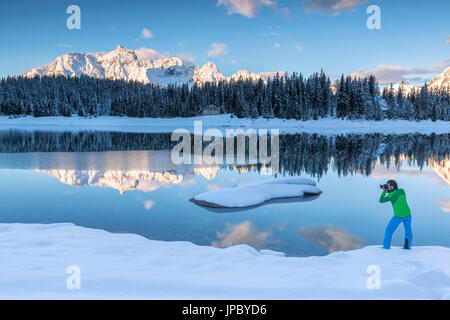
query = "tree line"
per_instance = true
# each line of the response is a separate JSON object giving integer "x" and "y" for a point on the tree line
{"x": 284, "y": 96}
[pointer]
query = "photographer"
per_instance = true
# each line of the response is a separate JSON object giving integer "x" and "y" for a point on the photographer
{"x": 402, "y": 213}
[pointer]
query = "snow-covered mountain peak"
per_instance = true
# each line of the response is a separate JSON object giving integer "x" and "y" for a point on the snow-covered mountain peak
{"x": 441, "y": 81}
{"x": 209, "y": 72}
{"x": 210, "y": 65}
{"x": 125, "y": 64}
{"x": 244, "y": 74}
{"x": 168, "y": 62}
{"x": 405, "y": 87}
{"x": 120, "y": 55}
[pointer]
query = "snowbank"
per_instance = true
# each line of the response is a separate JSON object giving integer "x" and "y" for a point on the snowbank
{"x": 125, "y": 266}
{"x": 257, "y": 192}
{"x": 327, "y": 126}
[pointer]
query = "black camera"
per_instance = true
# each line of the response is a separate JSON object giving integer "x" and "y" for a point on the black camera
{"x": 383, "y": 186}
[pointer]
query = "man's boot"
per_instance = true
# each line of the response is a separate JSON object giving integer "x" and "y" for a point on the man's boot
{"x": 406, "y": 246}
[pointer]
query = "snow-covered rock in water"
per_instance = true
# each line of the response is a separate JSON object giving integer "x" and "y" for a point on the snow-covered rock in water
{"x": 35, "y": 260}
{"x": 257, "y": 192}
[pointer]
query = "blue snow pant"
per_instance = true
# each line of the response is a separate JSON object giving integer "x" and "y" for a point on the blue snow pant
{"x": 393, "y": 224}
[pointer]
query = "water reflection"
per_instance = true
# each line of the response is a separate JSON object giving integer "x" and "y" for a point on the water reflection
{"x": 331, "y": 238}
{"x": 309, "y": 153}
{"x": 142, "y": 180}
{"x": 123, "y": 182}
{"x": 210, "y": 208}
{"x": 243, "y": 233}
{"x": 442, "y": 168}
{"x": 433, "y": 172}
{"x": 149, "y": 204}
{"x": 444, "y": 204}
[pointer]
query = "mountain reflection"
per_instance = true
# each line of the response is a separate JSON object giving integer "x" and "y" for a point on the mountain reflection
{"x": 123, "y": 181}
{"x": 127, "y": 161}
{"x": 436, "y": 172}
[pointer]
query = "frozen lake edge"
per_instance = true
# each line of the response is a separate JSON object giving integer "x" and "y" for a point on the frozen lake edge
{"x": 326, "y": 126}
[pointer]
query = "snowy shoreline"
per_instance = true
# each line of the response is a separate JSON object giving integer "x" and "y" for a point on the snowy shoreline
{"x": 326, "y": 126}
{"x": 35, "y": 258}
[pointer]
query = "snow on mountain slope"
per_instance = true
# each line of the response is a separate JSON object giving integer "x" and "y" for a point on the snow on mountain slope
{"x": 71, "y": 64}
{"x": 266, "y": 75}
{"x": 441, "y": 81}
{"x": 406, "y": 87}
{"x": 124, "y": 64}
{"x": 119, "y": 64}
{"x": 244, "y": 74}
{"x": 208, "y": 73}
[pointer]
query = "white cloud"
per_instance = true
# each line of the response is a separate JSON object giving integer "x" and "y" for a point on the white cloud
{"x": 299, "y": 47}
{"x": 269, "y": 34}
{"x": 276, "y": 45}
{"x": 149, "y": 54}
{"x": 447, "y": 41}
{"x": 64, "y": 45}
{"x": 186, "y": 57}
{"x": 246, "y": 8}
{"x": 387, "y": 74}
{"x": 237, "y": 61}
{"x": 287, "y": 13}
{"x": 217, "y": 49}
{"x": 149, "y": 204}
{"x": 181, "y": 44}
{"x": 333, "y": 6}
{"x": 147, "y": 34}
{"x": 443, "y": 204}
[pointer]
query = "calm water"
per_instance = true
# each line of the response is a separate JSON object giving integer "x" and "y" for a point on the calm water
{"x": 125, "y": 182}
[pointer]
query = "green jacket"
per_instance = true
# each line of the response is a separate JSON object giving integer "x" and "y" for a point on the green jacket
{"x": 398, "y": 200}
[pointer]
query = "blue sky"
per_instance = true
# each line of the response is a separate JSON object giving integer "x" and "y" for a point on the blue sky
{"x": 257, "y": 35}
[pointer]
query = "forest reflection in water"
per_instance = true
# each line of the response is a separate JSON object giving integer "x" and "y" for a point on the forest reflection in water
{"x": 309, "y": 153}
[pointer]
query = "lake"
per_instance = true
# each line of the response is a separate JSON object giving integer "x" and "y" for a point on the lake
{"x": 126, "y": 183}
